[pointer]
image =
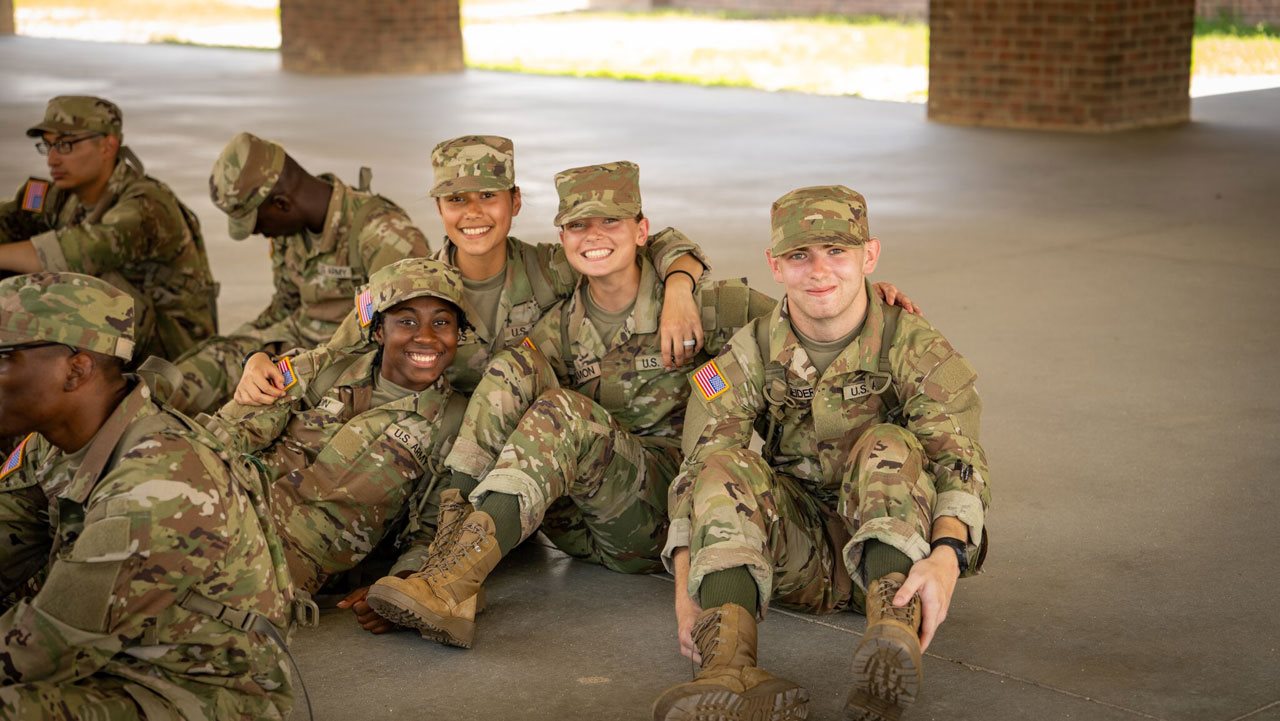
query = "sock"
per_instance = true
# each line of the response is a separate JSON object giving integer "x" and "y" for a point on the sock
{"x": 462, "y": 482}
{"x": 504, "y": 509}
{"x": 733, "y": 585}
{"x": 880, "y": 559}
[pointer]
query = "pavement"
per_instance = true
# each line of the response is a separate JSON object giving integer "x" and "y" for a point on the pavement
{"x": 1117, "y": 294}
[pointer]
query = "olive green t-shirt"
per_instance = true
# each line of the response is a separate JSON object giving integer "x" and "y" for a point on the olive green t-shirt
{"x": 384, "y": 391}
{"x": 821, "y": 354}
{"x": 607, "y": 322}
{"x": 484, "y": 297}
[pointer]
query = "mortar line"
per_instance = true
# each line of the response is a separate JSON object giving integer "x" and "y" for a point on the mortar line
{"x": 983, "y": 669}
{"x": 1257, "y": 711}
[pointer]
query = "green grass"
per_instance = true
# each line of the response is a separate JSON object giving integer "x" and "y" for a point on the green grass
{"x": 1228, "y": 26}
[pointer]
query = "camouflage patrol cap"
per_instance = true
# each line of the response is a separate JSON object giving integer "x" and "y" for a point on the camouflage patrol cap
{"x": 243, "y": 176}
{"x": 67, "y": 114}
{"x": 816, "y": 215}
{"x": 608, "y": 190}
{"x": 68, "y": 308}
{"x": 473, "y": 163}
{"x": 404, "y": 280}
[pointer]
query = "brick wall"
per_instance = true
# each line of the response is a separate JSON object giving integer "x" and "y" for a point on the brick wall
{"x": 6, "y": 17}
{"x": 913, "y": 9}
{"x": 370, "y": 36}
{"x": 1249, "y": 11}
{"x": 1060, "y": 64}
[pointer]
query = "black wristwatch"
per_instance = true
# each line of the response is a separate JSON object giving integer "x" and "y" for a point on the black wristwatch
{"x": 955, "y": 544}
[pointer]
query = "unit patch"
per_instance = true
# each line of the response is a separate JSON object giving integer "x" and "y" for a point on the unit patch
{"x": 710, "y": 381}
{"x": 34, "y": 195}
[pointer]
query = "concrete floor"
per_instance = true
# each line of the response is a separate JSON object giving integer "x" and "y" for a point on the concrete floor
{"x": 1111, "y": 290}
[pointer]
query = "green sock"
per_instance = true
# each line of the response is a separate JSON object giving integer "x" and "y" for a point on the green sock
{"x": 880, "y": 559}
{"x": 462, "y": 482}
{"x": 732, "y": 585}
{"x": 504, "y": 509}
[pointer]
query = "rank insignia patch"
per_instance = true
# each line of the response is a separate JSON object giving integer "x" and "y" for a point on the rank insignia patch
{"x": 286, "y": 370}
{"x": 364, "y": 305}
{"x": 33, "y": 196}
{"x": 14, "y": 461}
{"x": 710, "y": 381}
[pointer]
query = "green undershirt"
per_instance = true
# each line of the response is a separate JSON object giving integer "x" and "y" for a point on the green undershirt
{"x": 607, "y": 322}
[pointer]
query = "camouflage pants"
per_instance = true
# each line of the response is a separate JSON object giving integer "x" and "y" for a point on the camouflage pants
{"x": 595, "y": 490}
{"x": 85, "y": 700}
{"x": 802, "y": 553}
{"x": 211, "y": 370}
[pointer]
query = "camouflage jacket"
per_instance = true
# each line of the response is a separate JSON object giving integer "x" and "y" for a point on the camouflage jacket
{"x": 323, "y": 447}
{"x": 145, "y": 236}
{"x": 537, "y": 277}
{"x": 316, "y": 278}
{"x": 145, "y": 520}
{"x": 626, "y": 377}
{"x": 817, "y": 419}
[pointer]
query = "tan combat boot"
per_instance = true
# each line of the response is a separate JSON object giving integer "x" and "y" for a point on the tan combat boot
{"x": 730, "y": 687}
{"x": 454, "y": 509}
{"x": 440, "y": 600}
{"x": 887, "y": 666}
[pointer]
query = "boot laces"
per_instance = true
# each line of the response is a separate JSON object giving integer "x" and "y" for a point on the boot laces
{"x": 707, "y": 637}
{"x": 884, "y": 592}
{"x": 454, "y": 553}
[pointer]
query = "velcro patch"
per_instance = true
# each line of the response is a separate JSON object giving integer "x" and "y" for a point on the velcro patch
{"x": 364, "y": 306}
{"x": 583, "y": 372}
{"x": 648, "y": 362}
{"x": 519, "y": 330}
{"x": 14, "y": 462}
{"x": 34, "y": 195}
{"x": 341, "y": 272}
{"x": 804, "y": 393}
{"x": 527, "y": 343}
{"x": 409, "y": 440}
{"x": 286, "y": 369}
{"x": 710, "y": 381}
{"x": 857, "y": 389}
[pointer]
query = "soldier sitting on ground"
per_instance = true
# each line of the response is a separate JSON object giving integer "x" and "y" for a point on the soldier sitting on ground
{"x": 161, "y": 599}
{"x": 871, "y": 490}
{"x": 326, "y": 240}
{"x": 359, "y": 442}
{"x": 103, "y": 217}
{"x": 508, "y": 284}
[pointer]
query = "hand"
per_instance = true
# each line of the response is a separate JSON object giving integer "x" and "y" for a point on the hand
{"x": 368, "y": 619}
{"x": 681, "y": 320}
{"x": 934, "y": 578}
{"x": 890, "y": 294}
{"x": 260, "y": 383}
{"x": 687, "y": 611}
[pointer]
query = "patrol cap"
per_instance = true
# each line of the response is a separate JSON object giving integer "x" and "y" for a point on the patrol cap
{"x": 404, "y": 280}
{"x": 243, "y": 176}
{"x": 69, "y": 114}
{"x": 609, "y": 190}
{"x": 817, "y": 215}
{"x": 67, "y": 308}
{"x": 473, "y": 163}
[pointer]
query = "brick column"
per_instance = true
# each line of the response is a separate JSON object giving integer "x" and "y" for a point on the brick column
{"x": 1090, "y": 65}
{"x": 6, "y": 17}
{"x": 370, "y": 36}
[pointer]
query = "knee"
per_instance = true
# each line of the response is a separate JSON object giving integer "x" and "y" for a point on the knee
{"x": 521, "y": 370}
{"x": 888, "y": 441}
{"x": 559, "y": 405}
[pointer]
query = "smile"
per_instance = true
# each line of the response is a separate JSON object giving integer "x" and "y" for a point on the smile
{"x": 597, "y": 253}
{"x": 473, "y": 232}
{"x": 425, "y": 360}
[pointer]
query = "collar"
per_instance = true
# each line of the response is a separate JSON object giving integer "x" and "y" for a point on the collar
{"x": 515, "y": 285}
{"x": 337, "y": 220}
{"x": 862, "y": 353}
{"x": 425, "y": 402}
{"x": 103, "y": 444}
{"x": 644, "y": 314}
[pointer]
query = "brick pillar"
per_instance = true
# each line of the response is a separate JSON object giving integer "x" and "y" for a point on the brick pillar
{"x": 6, "y": 17}
{"x": 1091, "y": 65}
{"x": 370, "y": 36}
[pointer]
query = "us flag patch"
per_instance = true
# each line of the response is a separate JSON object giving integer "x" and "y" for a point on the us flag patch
{"x": 34, "y": 194}
{"x": 14, "y": 461}
{"x": 710, "y": 381}
{"x": 364, "y": 305}
{"x": 286, "y": 370}
{"x": 528, "y": 344}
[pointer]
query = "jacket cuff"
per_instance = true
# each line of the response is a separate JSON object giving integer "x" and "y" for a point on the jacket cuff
{"x": 50, "y": 251}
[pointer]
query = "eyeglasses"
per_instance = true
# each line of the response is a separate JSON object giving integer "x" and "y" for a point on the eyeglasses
{"x": 63, "y": 146}
{"x": 6, "y": 351}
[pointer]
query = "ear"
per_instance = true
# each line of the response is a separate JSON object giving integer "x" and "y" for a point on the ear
{"x": 282, "y": 203}
{"x": 111, "y": 144}
{"x": 515, "y": 200}
{"x": 377, "y": 334}
{"x": 80, "y": 369}
{"x": 871, "y": 255}
{"x": 773, "y": 265}
{"x": 642, "y": 229}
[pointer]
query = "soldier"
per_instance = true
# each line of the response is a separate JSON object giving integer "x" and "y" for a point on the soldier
{"x": 102, "y": 216}
{"x": 161, "y": 599}
{"x": 508, "y": 284}
{"x": 362, "y": 435}
{"x": 576, "y": 430}
{"x": 870, "y": 492}
{"x": 326, "y": 240}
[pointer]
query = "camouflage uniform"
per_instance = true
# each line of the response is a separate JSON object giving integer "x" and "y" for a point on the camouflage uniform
{"x": 147, "y": 535}
{"x": 315, "y": 276}
{"x": 867, "y": 450}
{"x": 583, "y": 431}
{"x": 341, "y": 470}
{"x": 139, "y": 236}
{"x": 537, "y": 276}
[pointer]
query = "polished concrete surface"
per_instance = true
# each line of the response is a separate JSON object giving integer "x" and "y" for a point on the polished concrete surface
{"x": 1112, "y": 291}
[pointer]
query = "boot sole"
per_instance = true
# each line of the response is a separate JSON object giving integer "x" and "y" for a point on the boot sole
{"x": 721, "y": 704}
{"x": 886, "y": 675}
{"x": 402, "y": 609}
